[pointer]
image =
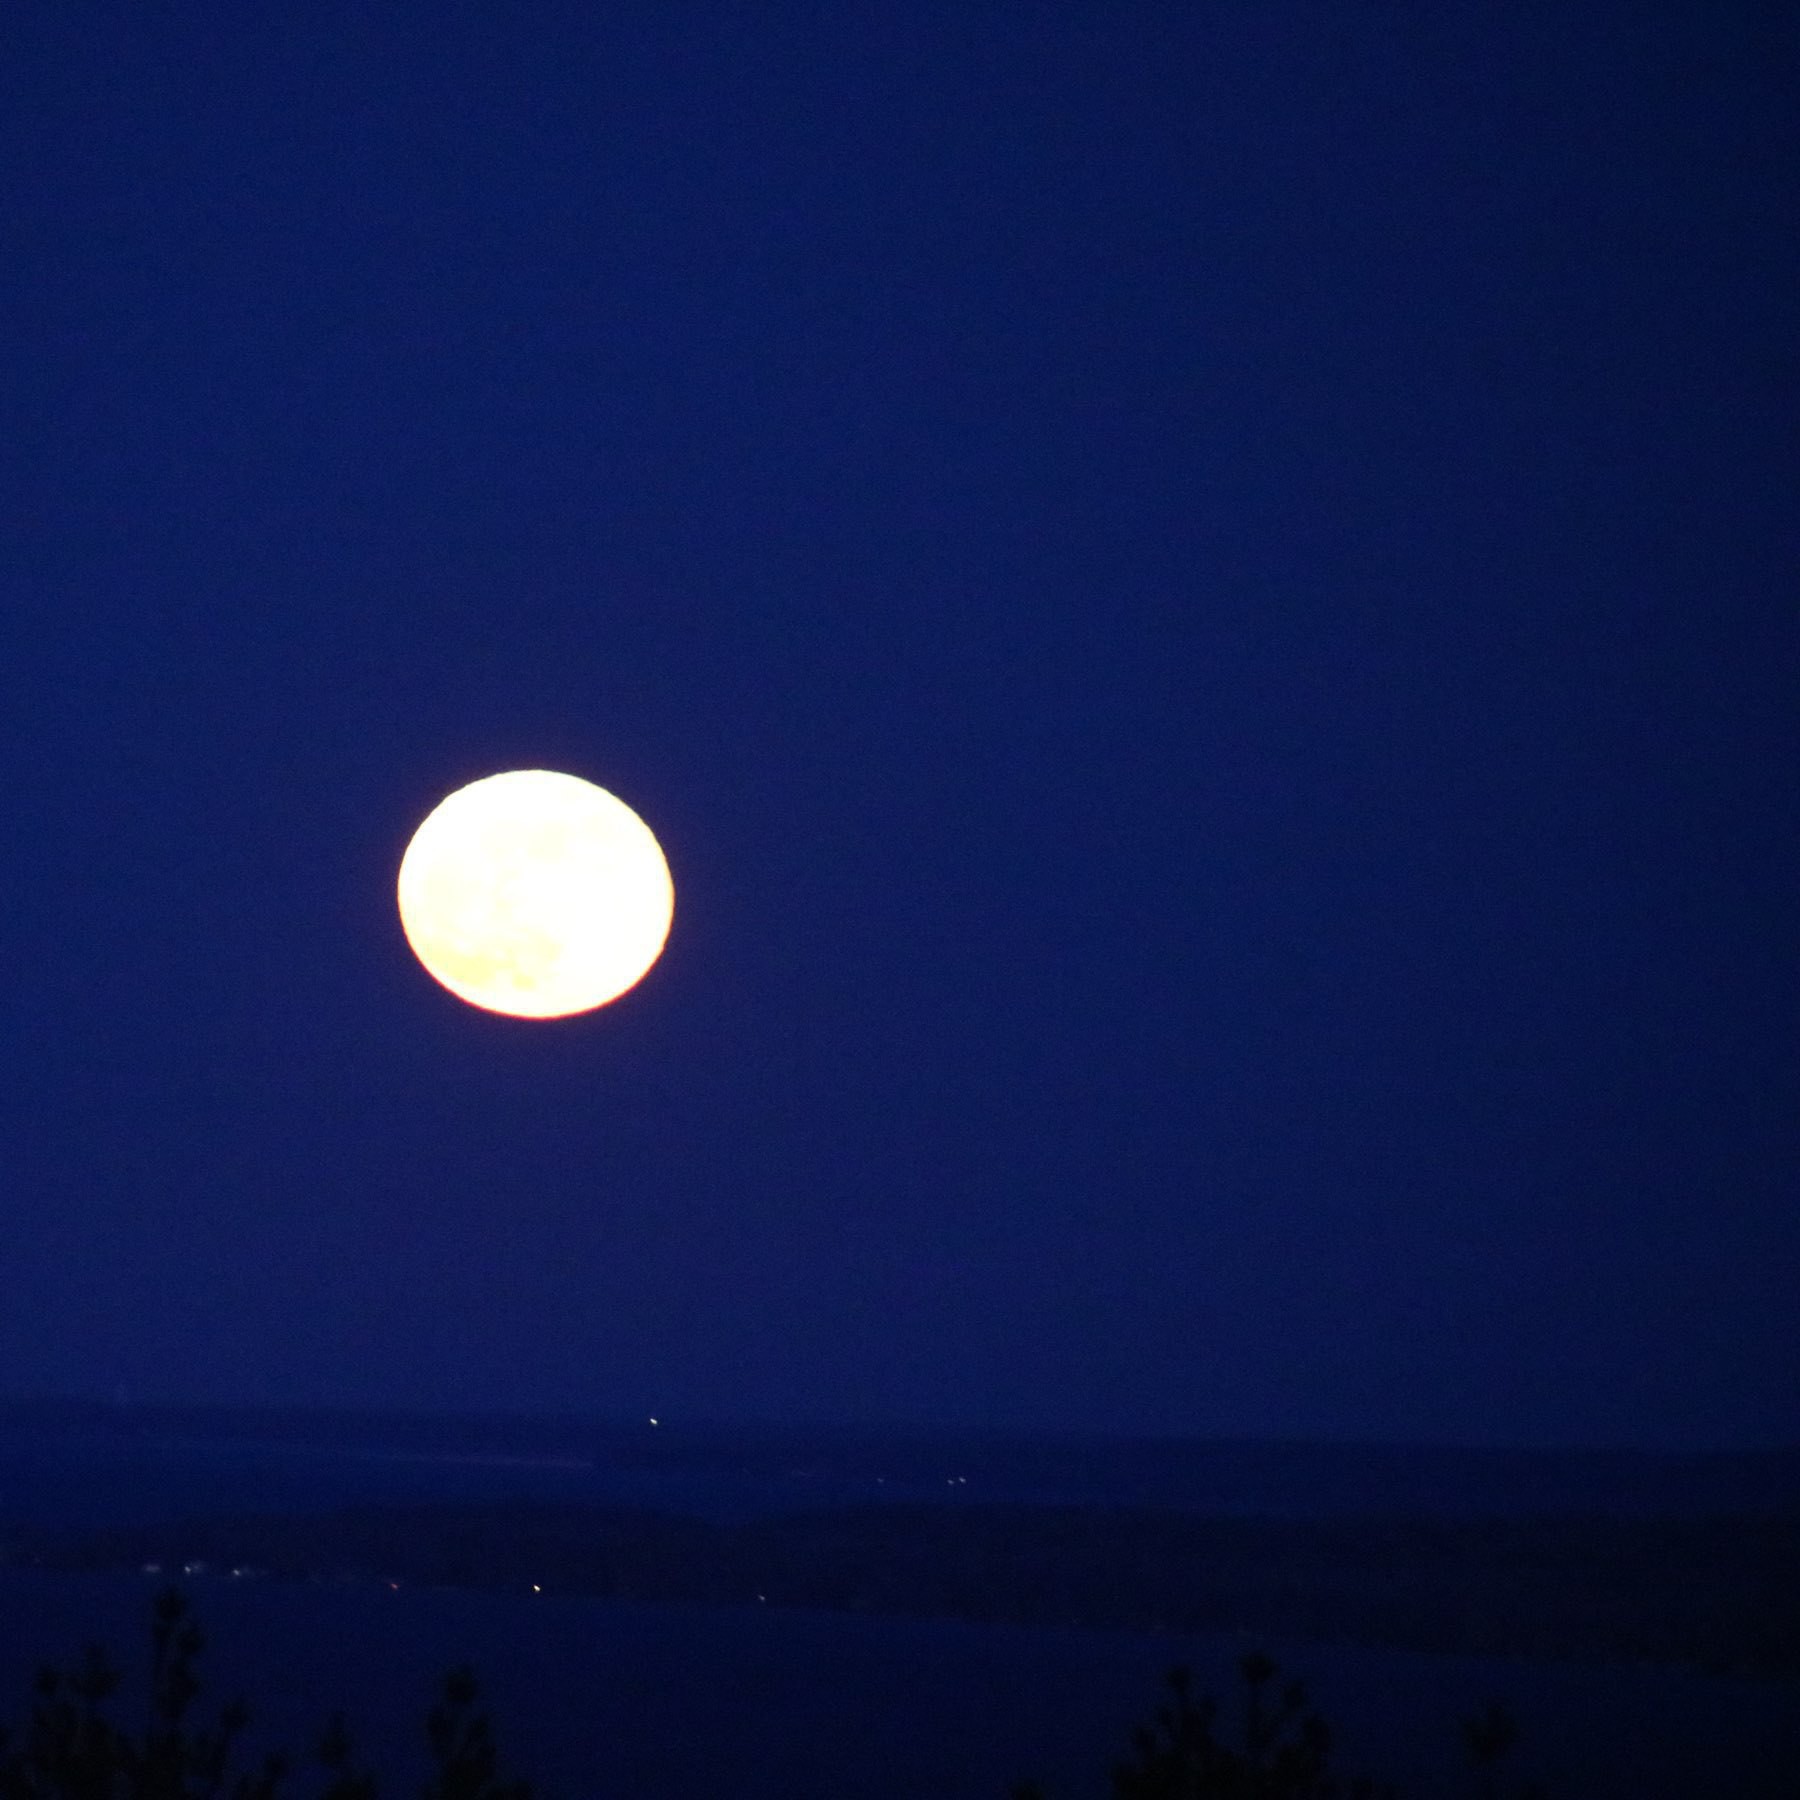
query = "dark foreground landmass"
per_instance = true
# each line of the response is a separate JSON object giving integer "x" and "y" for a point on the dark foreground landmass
{"x": 1721, "y": 1594}
{"x": 76, "y": 1745}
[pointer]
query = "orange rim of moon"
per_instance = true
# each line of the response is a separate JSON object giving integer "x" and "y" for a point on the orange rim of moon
{"x": 535, "y": 894}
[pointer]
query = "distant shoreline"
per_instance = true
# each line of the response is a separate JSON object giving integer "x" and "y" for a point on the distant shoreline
{"x": 1720, "y": 1595}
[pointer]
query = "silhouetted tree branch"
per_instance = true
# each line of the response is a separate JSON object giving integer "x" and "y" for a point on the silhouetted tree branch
{"x": 1285, "y": 1753}
{"x": 71, "y": 1750}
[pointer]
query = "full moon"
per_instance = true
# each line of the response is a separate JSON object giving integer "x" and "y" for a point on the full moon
{"x": 535, "y": 894}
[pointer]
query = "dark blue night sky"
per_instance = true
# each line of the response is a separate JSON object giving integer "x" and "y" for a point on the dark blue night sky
{"x": 1202, "y": 597}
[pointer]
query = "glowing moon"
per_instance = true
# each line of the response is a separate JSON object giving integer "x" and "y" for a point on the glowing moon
{"x": 535, "y": 894}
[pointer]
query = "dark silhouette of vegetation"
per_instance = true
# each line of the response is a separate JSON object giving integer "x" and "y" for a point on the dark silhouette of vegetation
{"x": 1283, "y": 1752}
{"x": 1488, "y": 1738}
{"x": 462, "y": 1747}
{"x": 70, "y": 1749}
